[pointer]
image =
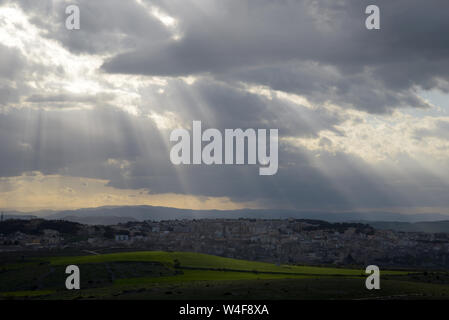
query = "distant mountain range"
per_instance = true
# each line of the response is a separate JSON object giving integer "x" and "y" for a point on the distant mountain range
{"x": 429, "y": 226}
{"x": 431, "y": 222}
{"x": 98, "y": 220}
{"x": 166, "y": 213}
{"x": 19, "y": 216}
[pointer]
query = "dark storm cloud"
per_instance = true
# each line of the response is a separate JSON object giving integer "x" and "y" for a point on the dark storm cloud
{"x": 108, "y": 26}
{"x": 12, "y": 62}
{"x": 298, "y": 184}
{"x": 222, "y": 106}
{"x": 257, "y": 41}
{"x": 12, "y": 66}
{"x": 325, "y": 83}
{"x": 58, "y": 141}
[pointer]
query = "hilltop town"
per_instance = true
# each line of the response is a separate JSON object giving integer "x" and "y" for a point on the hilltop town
{"x": 287, "y": 241}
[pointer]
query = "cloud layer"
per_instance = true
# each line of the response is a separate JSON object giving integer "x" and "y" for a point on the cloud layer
{"x": 355, "y": 130}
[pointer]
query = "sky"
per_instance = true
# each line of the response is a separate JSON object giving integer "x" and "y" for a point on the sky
{"x": 363, "y": 115}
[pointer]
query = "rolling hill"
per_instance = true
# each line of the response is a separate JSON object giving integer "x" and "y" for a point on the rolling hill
{"x": 165, "y": 213}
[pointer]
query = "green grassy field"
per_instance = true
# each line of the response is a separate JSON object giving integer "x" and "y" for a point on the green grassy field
{"x": 185, "y": 275}
{"x": 204, "y": 261}
{"x": 206, "y": 275}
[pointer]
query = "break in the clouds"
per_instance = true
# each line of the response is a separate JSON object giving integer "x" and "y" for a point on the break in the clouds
{"x": 361, "y": 118}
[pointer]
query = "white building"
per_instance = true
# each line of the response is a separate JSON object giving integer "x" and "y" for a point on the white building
{"x": 121, "y": 237}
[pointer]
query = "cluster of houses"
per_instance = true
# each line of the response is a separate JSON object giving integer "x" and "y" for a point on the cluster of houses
{"x": 279, "y": 241}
